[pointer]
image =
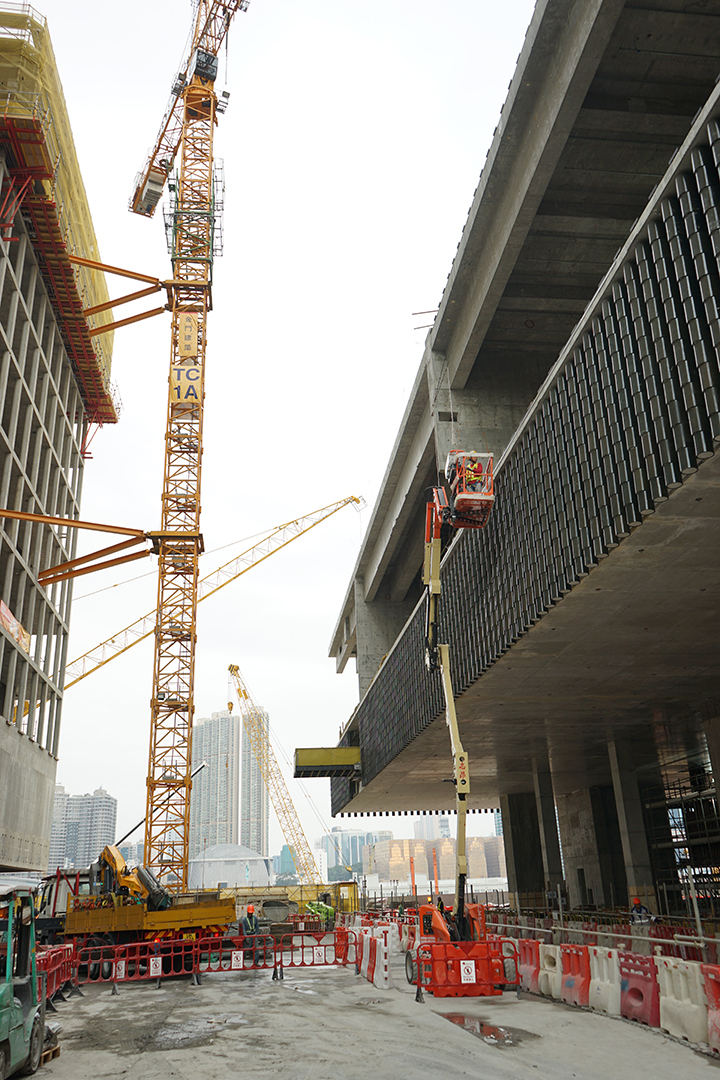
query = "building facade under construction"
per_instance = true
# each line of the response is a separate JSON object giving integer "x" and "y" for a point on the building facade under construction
{"x": 54, "y": 388}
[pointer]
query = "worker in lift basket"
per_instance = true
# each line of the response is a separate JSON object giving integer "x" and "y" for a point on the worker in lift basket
{"x": 473, "y": 475}
{"x": 251, "y": 929}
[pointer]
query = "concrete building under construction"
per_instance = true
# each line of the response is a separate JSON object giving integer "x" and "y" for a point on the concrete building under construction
{"x": 54, "y": 385}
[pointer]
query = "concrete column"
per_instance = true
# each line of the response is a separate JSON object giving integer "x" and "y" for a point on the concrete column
{"x": 545, "y": 804}
{"x": 636, "y": 852}
{"x": 523, "y": 850}
{"x": 591, "y": 847}
{"x": 485, "y": 413}
{"x": 378, "y": 625}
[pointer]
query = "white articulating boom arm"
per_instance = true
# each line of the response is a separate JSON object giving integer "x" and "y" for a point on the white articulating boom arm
{"x": 275, "y": 782}
{"x": 468, "y": 505}
{"x": 143, "y": 627}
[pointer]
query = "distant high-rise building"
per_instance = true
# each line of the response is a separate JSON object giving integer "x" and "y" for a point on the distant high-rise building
{"x": 133, "y": 854}
{"x": 82, "y": 826}
{"x": 498, "y": 822}
{"x": 284, "y": 863}
{"x": 344, "y": 847}
{"x": 214, "y": 796}
{"x": 254, "y": 798}
{"x": 432, "y": 827}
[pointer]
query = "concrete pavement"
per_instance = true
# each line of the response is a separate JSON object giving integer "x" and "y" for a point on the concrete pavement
{"x": 329, "y": 1024}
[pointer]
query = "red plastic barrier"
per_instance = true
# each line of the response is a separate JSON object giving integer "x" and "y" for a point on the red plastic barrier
{"x": 235, "y": 954}
{"x": 461, "y": 969}
{"x": 135, "y": 962}
{"x": 306, "y": 922}
{"x": 712, "y": 993}
{"x": 670, "y": 947}
{"x": 639, "y": 992}
{"x": 575, "y": 974}
{"x": 529, "y": 964}
{"x": 317, "y": 949}
{"x": 56, "y": 961}
{"x": 621, "y": 937}
{"x": 590, "y": 933}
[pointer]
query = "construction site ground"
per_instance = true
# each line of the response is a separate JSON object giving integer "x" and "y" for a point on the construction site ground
{"x": 330, "y": 1024}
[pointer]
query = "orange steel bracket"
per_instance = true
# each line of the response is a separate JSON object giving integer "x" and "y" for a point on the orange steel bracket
{"x": 76, "y": 567}
{"x": 154, "y": 285}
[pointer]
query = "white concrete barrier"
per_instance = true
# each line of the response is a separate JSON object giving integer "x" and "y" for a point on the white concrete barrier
{"x": 604, "y": 980}
{"x": 550, "y": 974}
{"x": 683, "y": 1004}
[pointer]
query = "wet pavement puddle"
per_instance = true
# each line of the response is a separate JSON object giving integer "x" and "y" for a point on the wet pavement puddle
{"x": 193, "y": 1032}
{"x": 493, "y": 1035}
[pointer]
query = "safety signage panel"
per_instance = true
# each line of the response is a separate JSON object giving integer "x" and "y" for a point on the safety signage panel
{"x": 236, "y": 960}
{"x": 155, "y": 966}
{"x": 318, "y": 954}
{"x": 188, "y": 335}
{"x": 120, "y": 969}
{"x": 467, "y": 971}
{"x": 185, "y": 384}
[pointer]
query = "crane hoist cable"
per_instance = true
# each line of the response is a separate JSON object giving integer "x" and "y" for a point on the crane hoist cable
{"x": 112, "y": 647}
{"x": 142, "y": 628}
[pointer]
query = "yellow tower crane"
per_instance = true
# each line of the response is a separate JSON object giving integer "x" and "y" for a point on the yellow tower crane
{"x": 254, "y": 724}
{"x": 142, "y": 628}
{"x": 187, "y": 129}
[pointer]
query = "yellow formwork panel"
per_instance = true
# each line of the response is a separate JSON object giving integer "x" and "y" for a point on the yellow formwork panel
{"x": 32, "y": 98}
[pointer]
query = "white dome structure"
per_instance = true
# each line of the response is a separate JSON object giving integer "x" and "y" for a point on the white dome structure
{"x": 229, "y": 866}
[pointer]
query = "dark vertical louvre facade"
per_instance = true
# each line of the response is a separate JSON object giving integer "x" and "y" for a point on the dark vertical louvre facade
{"x": 632, "y": 411}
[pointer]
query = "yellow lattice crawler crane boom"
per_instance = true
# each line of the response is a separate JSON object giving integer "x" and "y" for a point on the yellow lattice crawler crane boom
{"x": 143, "y": 627}
{"x": 275, "y": 782}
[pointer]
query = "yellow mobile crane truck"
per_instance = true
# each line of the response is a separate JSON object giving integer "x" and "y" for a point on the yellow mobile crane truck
{"x": 108, "y": 904}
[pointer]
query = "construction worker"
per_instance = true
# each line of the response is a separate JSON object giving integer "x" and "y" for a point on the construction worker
{"x": 473, "y": 474}
{"x": 639, "y": 913}
{"x": 251, "y": 929}
{"x": 440, "y": 905}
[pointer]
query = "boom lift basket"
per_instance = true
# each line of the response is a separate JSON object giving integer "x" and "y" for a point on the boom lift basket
{"x": 470, "y": 477}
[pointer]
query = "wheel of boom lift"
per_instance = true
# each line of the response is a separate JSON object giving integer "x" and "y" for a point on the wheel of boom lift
{"x": 411, "y": 967}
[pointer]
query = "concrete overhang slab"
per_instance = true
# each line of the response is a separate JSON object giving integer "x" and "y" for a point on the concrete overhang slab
{"x": 632, "y": 651}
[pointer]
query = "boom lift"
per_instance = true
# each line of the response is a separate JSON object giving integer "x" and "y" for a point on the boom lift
{"x": 468, "y": 505}
{"x": 187, "y": 129}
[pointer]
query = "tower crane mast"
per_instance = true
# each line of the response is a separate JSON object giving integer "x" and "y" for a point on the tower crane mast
{"x": 188, "y": 128}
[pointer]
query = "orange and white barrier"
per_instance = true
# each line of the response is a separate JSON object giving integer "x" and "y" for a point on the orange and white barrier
{"x": 550, "y": 974}
{"x": 604, "y": 980}
{"x": 529, "y": 964}
{"x": 373, "y": 960}
{"x": 683, "y": 1003}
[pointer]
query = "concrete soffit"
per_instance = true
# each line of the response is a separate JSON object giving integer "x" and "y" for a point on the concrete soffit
{"x": 563, "y": 48}
{"x": 389, "y": 503}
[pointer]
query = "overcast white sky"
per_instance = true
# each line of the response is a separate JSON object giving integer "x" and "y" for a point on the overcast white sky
{"x": 353, "y": 143}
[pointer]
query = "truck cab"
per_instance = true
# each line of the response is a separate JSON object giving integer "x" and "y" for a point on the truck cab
{"x": 22, "y": 1013}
